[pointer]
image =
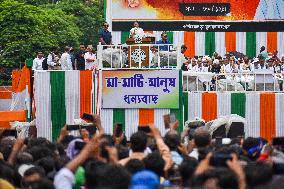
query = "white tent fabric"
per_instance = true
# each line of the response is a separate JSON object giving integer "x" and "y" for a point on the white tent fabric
{"x": 279, "y": 110}
{"x": 241, "y": 42}
{"x": 224, "y": 104}
{"x": 194, "y": 105}
{"x": 72, "y": 96}
{"x": 252, "y": 115}
{"x": 43, "y": 105}
{"x": 220, "y": 43}
{"x": 131, "y": 121}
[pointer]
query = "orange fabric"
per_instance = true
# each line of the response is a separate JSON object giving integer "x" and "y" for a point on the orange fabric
{"x": 9, "y": 116}
{"x": 5, "y": 95}
{"x": 21, "y": 79}
{"x": 271, "y": 41}
{"x": 267, "y": 115}
{"x": 189, "y": 41}
{"x": 16, "y": 75}
{"x": 86, "y": 79}
{"x": 146, "y": 116}
{"x": 209, "y": 106}
{"x": 230, "y": 41}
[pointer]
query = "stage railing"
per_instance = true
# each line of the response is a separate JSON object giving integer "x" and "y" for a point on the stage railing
{"x": 150, "y": 56}
{"x": 207, "y": 81}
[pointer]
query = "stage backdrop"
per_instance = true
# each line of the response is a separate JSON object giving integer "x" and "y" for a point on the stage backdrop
{"x": 197, "y": 15}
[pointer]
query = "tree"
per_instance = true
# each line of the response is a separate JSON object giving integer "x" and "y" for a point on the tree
{"x": 26, "y": 29}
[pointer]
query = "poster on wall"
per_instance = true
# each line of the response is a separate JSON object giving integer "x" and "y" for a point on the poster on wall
{"x": 181, "y": 12}
{"x": 140, "y": 89}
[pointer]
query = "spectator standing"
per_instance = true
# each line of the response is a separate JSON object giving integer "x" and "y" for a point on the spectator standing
{"x": 90, "y": 58}
{"x": 37, "y": 62}
{"x": 80, "y": 59}
{"x": 65, "y": 60}
{"x": 72, "y": 56}
{"x": 105, "y": 36}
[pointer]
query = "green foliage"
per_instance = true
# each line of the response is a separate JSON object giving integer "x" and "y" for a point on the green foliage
{"x": 28, "y": 26}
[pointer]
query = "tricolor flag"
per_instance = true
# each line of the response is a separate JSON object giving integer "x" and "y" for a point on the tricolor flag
{"x": 263, "y": 111}
{"x": 61, "y": 97}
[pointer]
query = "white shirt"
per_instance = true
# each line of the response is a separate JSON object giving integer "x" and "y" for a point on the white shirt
{"x": 37, "y": 63}
{"x": 50, "y": 60}
{"x": 64, "y": 179}
{"x": 65, "y": 62}
{"x": 137, "y": 32}
{"x": 90, "y": 65}
{"x": 194, "y": 153}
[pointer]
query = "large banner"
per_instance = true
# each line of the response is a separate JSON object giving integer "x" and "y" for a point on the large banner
{"x": 242, "y": 12}
{"x": 140, "y": 89}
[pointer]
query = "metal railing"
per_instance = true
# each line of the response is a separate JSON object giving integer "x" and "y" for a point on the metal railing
{"x": 206, "y": 81}
{"x": 150, "y": 56}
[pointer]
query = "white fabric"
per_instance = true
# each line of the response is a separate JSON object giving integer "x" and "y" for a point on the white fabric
{"x": 280, "y": 43}
{"x": 37, "y": 64}
{"x": 194, "y": 105}
{"x": 107, "y": 120}
{"x": 64, "y": 179}
{"x": 5, "y": 104}
{"x": 43, "y": 104}
{"x": 199, "y": 43}
{"x": 220, "y": 46}
{"x": 252, "y": 115}
{"x": 157, "y": 35}
{"x": 136, "y": 32}
{"x": 72, "y": 96}
{"x": 223, "y": 104}
{"x": 261, "y": 40}
{"x": 131, "y": 122}
{"x": 159, "y": 119}
{"x": 65, "y": 61}
{"x": 241, "y": 42}
{"x": 178, "y": 38}
{"x": 279, "y": 113}
{"x": 116, "y": 37}
{"x": 90, "y": 65}
{"x": 20, "y": 100}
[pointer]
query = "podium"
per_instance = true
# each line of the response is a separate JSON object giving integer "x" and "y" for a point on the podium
{"x": 138, "y": 56}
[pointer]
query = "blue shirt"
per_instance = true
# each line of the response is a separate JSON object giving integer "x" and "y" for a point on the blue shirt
{"x": 106, "y": 35}
{"x": 163, "y": 47}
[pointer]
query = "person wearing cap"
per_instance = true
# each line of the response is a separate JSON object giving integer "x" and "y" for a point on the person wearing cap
{"x": 105, "y": 36}
{"x": 65, "y": 60}
{"x": 136, "y": 31}
{"x": 145, "y": 180}
{"x": 37, "y": 62}
{"x": 164, "y": 40}
{"x": 90, "y": 58}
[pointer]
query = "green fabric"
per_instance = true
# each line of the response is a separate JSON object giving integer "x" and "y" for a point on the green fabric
{"x": 79, "y": 177}
{"x": 209, "y": 43}
{"x": 105, "y": 8}
{"x": 251, "y": 44}
{"x": 58, "y": 110}
{"x": 170, "y": 36}
{"x": 124, "y": 36}
{"x": 29, "y": 62}
{"x": 119, "y": 117}
{"x": 179, "y": 112}
{"x": 185, "y": 105}
{"x": 238, "y": 104}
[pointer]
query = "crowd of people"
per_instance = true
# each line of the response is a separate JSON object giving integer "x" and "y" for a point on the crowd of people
{"x": 95, "y": 160}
